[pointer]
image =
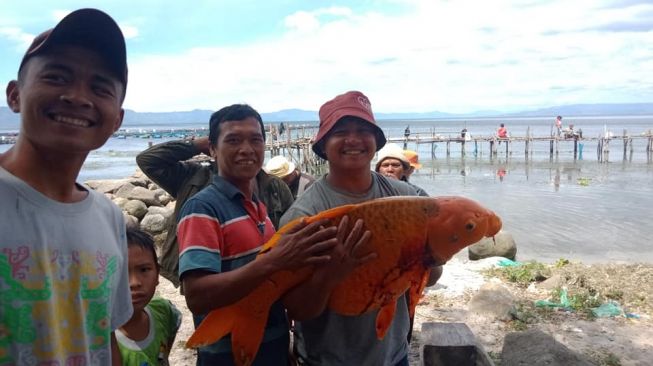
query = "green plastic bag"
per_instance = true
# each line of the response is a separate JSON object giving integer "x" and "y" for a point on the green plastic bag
{"x": 564, "y": 302}
{"x": 505, "y": 262}
{"x": 607, "y": 310}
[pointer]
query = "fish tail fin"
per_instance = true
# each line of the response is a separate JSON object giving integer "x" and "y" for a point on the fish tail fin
{"x": 246, "y": 337}
{"x": 217, "y": 324}
{"x": 384, "y": 319}
{"x": 245, "y": 320}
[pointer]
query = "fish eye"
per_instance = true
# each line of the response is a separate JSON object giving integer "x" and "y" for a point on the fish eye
{"x": 470, "y": 226}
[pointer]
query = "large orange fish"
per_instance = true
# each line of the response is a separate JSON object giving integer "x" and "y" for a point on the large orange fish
{"x": 409, "y": 235}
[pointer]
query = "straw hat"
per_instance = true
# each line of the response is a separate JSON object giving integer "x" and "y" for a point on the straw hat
{"x": 393, "y": 151}
{"x": 413, "y": 158}
{"x": 279, "y": 166}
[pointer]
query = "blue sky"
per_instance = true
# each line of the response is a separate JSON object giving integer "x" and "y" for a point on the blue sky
{"x": 406, "y": 55}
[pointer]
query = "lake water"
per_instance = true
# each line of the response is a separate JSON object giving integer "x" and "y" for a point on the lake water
{"x": 578, "y": 209}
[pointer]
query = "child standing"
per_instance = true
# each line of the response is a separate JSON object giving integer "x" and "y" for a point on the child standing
{"x": 146, "y": 339}
{"x": 63, "y": 254}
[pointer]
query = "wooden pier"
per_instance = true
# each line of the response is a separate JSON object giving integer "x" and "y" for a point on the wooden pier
{"x": 294, "y": 141}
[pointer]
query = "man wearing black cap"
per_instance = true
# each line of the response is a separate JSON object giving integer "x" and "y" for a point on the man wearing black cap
{"x": 348, "y": 138}
{"x": 63, "y": 243}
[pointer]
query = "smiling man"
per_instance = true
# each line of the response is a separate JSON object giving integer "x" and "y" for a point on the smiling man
{"x": 65, "y": 244}
{"x": 222, "y": 228}
{"x": 348, "y": 138}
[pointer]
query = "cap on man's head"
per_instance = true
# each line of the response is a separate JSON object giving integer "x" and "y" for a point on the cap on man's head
{"x": 279, "y": 166}
{"x": 353, "y": 104}
{"x": 87, "y": 28}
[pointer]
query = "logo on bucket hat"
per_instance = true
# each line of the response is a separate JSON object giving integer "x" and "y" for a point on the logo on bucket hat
{"x": 351, "y": 103}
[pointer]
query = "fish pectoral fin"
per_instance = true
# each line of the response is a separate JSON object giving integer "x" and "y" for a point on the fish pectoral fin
{"x": 384, "y": 318}
{"x": 417, "y": 289}
{"x": 217, "y": 324}
{"x": 246, "y": 338}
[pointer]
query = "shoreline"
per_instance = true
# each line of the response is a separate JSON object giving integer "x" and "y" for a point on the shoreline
{"x": 602, "y": 340}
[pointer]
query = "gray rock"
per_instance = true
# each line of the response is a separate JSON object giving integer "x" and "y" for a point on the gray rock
{"x": 125, "y": 190}
{"x": 163, "y": 211}
{"x": 536, "y": 348}
{"x": 120, "y": 202}
{"x": 503, "y": 245}
{"x": 106, "y": 185}
{"x": 162, "y": 196}
{"x": 551, "y": 283}
{"x": 130, "y": 221}
{"x": 153, "y": 224}
{"x": 493, "y": 300}
{"x": 145, "y": 195}
{"x": 136, "y": 208}
{"x": 445, "y": 344}
{"x": 140, "y": 182}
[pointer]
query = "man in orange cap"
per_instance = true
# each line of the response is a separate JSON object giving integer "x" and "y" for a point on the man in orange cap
{"x": 348, "y": 138}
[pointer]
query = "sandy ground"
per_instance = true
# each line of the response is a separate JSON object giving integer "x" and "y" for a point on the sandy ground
{"x": 607, "y": 341}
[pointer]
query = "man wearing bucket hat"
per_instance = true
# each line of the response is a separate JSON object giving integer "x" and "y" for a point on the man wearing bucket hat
{"x": 287, "y": 171}
{"x": 65, "y": 242}
{"x": 348, "y": 138}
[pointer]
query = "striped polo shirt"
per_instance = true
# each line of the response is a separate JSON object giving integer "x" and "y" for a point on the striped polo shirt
{"x": 219, "y": 230}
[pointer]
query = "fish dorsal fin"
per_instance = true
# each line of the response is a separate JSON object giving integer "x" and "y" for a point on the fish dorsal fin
{"x": 331, "y": 213}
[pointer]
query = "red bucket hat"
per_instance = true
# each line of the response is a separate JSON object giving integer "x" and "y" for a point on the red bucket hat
{"x": 352, "y": 103}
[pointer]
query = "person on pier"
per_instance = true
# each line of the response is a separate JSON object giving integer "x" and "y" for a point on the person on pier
{"x": 287, "y": 171}
{"x": 348, "y": 137}
{"x": 168, "y": 165}
{"x": 64, "y": 286}
{"x": 502, "y": 131}
{"x": 558, "y": 125}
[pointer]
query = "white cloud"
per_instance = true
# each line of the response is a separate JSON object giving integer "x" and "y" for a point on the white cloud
{"x": 17, "y": 36}
{"x": 129, "y": 31}
{"x": 451, "y": 56}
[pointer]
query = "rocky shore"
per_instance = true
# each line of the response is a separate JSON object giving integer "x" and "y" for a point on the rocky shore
{"x": 498, "y": 305}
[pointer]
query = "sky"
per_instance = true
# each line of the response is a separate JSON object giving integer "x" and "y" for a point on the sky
{"x": 405, "y": 55}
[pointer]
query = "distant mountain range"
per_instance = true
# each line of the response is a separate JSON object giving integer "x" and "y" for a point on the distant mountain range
{"x": 10, "y": 120}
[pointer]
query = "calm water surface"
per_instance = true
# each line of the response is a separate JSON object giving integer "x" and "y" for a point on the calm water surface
{"x": 554, "y": 207}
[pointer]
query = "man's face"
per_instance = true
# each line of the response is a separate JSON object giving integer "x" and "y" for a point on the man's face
{"x": 68, "y": 100}
{"x": 239, "y": 150}
{"x": 350, "y": 145}
{"x": 393, "y": 168}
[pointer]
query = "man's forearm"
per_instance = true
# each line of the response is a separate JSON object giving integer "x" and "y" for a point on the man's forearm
{"x": 163, "y": 163}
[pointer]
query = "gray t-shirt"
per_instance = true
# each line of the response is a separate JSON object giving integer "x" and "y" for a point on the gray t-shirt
{"x": 63, "y": 274}
{"x": 333, "y": 339}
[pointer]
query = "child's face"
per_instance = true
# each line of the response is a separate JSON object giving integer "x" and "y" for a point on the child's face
{"x": 143, "y": 276}
{"x": 68, "y": 100}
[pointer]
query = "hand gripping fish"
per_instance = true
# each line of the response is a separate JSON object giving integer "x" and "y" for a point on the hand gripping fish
{"x": 409, "y": 235}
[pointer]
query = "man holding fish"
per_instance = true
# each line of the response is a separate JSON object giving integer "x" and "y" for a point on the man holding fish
{"x": 222, "y": 228}
{"x": 348, "y": 139}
